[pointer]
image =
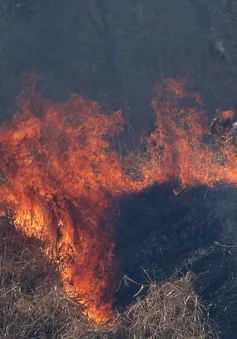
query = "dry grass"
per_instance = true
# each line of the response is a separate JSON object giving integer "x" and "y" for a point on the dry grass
{"x": 168, "y": 311}
{"x": 33, "y": 304}
{"x": 32, "y": 301}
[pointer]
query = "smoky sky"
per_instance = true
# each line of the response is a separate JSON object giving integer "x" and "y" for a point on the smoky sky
{"x": 113, "y": 52}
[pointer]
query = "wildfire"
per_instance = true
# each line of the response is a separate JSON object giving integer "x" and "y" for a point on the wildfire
{"x": 62, "y": 180}
{"x": 182, "y": 148}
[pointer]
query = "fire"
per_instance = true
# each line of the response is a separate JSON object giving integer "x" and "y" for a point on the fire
{"x": 62, "y": 179}
{"x": 182, "y": 148}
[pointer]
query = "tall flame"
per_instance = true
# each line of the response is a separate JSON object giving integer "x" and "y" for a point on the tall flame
{"x": 62, "y": 179}
{"x": 182, "y": 148}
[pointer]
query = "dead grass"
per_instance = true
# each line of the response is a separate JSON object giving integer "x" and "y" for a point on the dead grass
{"x": 33, "y": 304}
{"x": 32, "y": 301}
{"x": 169, "y": 311}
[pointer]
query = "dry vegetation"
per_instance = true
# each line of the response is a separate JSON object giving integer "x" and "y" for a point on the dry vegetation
{"x": 33, "y": 304}
{"x": 32, "y": 301}
{"x": 168, "y": 311}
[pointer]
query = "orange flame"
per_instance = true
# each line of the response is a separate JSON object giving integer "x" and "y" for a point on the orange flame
{"x": 181, "y": 147}
{"x": 62, "y": 179}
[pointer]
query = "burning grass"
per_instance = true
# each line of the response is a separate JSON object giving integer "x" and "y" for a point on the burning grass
{"x": 33, "y": 303}
{"x": 61, "y": 176}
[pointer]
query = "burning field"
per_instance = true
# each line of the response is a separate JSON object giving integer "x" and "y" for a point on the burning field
{"x": 118, "y": 180}
{"x": 62, "y": 180}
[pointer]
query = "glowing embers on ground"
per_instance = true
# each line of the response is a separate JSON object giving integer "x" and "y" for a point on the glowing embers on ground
{"x": 62, "y": 180}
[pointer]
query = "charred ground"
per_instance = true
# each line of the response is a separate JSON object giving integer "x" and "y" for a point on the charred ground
{"x": 169, "y": 235}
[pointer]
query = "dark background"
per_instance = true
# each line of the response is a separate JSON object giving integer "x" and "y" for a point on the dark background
{"x": 114, "y": 51}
